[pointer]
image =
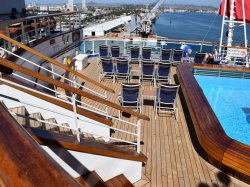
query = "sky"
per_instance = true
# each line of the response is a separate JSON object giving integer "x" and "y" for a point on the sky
{"x": 195, "y": 2}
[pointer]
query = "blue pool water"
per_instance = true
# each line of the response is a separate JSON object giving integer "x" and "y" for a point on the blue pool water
{"x": 230, "y": 100}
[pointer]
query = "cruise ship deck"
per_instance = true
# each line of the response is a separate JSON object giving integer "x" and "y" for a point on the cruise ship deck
{"x": 174, "y": 155}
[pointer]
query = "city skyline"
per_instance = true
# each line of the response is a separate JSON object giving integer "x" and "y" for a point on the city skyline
{"x": 214, "y": 3}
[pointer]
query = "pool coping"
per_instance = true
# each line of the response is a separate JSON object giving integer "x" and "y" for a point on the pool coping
{"x": 222, "y": 151}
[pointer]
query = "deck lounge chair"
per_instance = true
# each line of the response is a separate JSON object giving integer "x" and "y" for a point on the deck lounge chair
{"x": 147, "y": 71}
{"x": 134, "y": 55}
{"x": 163, "y": 72}
{"x": 130, "y": 96}
{"x": 103, "y": 51}
{"x": 177, "y": 56}
{"x": 166, "y": 55}
{"x": 166, "y": 99}
{"x": 200, "y": 58}
{"x": 115, "y": 52}
{"x": 108, "y": 70}
{"x": 146, "y": 53}
{"x": 123, "y": 69}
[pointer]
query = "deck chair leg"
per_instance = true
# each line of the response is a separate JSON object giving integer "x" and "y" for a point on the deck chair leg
{"x": 176, "y": 114}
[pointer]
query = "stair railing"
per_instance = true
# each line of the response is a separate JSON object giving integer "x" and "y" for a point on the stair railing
{"x": 54, "y": 62}
{"x": 78, "y": 120}
{"x": 26, "y": 151}
{"x": 73, "y": 102}
{"x": 73, "y": 99}
{"x": 53, "y": 73}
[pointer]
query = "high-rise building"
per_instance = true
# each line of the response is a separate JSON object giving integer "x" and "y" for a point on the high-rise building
{"x": 84, "y": 6}
{"x": 70, "y": 5}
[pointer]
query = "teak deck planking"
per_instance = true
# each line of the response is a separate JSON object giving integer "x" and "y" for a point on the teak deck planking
{"x": 172, "y": 157}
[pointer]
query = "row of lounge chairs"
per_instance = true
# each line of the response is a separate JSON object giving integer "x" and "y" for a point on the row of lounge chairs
{"x": 167, "y": 55}
{"x": 173, "y": 56}
{"x": 121, "y": 68}
{"x": 165, "y": 98}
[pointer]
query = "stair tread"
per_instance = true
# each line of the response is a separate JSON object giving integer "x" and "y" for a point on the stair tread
{"x": 21, "y": 111}
{"x": 93, "y": 179}
{"x": 120, "y": 181}
{"x": 50, "y": 127}
{"x": 34, "y": 123}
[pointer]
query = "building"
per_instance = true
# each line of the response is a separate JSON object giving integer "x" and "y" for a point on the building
{"x": 104, "y": 28}
{"x": 84, "y": 6}
{"x": 70, "y": 5}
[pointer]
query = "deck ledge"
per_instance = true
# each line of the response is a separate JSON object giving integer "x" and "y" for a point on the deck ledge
{"x": 221, "y": 150}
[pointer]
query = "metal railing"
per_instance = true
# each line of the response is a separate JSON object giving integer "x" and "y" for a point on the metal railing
{"x": 76, "y": 103}
{"x": 80, "y": 128}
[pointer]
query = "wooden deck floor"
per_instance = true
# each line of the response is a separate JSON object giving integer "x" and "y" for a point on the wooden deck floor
{"x": 168, "y": 144}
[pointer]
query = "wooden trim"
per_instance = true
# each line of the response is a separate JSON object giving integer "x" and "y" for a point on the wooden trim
{"x": 56, "y": 63}
{"x": 23, "y": 161}
{"x": 222, "y": 68}
{"x": 67, "y": 106}
{"x": 6, "y": 23}
{"x": 237, "y": 47}
{"x": 221, "y": 149}
{"x": 70, "y": 88}
{"x": 85, "y": 146}
{"x": 120, "y": 181}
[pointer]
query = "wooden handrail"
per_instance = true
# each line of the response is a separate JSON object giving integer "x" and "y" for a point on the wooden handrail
{"x": 67, "y": 106}
{"x": 52, "y": 61}
{"x": 23, "y": 161}
{"x": 237, "y": 47}
{"x": 44, "y": 78}
{"x": 221, "y": 150}
{"x": 6, "y": 23}
{"x": 85, "y": 146}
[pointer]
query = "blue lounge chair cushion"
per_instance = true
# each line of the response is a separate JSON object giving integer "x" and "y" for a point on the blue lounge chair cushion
{"x": 163, "y": 71}
{"x": 166, "y": 96}
{"x": 130, "y": 94}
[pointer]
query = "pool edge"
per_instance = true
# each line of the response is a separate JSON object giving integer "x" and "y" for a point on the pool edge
{"x": 222, "y": 151}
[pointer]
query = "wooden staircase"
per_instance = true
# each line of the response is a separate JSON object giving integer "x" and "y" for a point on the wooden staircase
{"x": 51, "y": 135}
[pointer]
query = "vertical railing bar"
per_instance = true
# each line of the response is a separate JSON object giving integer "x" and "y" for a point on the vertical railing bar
{"x": 139, "y": 136}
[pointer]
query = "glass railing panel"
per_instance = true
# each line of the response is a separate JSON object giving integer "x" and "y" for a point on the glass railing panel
{"x": 98, "y": 43}
{"x": 88, "y": 47}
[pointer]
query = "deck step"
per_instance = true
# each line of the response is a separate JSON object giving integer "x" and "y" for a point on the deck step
{"x": 50, "y": 127}
{"x": 65, "y": 131}
{"x": 120, "y": 181}
{"x": 92, "y": 179}
{"x": 36, "y": 124}
{"x": 21, "y": 111}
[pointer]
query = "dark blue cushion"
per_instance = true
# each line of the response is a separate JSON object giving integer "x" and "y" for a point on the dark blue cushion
{"x": 115, "y": 52}
{"x": 135, "y": 53}
{"x": 177, "y": 55}
{"x": 166, "y": 95}
{"x": 122, "y": 68}
{"x": 146, "y": 54}
{"x": 163, "y": 71}
{"x": 165, "y": 55}
{"x": 130, "y": 94}
{"x": 148, "y": 69}
{"x": 107, "y": 66}
{"x": 103, "y": 50}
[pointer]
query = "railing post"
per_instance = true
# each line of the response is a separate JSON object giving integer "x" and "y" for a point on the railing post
{"x": 93, "y": 47}
{"x": 201, "y": 47}
{"x": 139, "y": 136}
{"x": 75, "y": 116}
{"x": 53, "y": 75}
{"x": 106, "y": 97}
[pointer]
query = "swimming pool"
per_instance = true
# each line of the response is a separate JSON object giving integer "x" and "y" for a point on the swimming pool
{"x": 230, "y": 100}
